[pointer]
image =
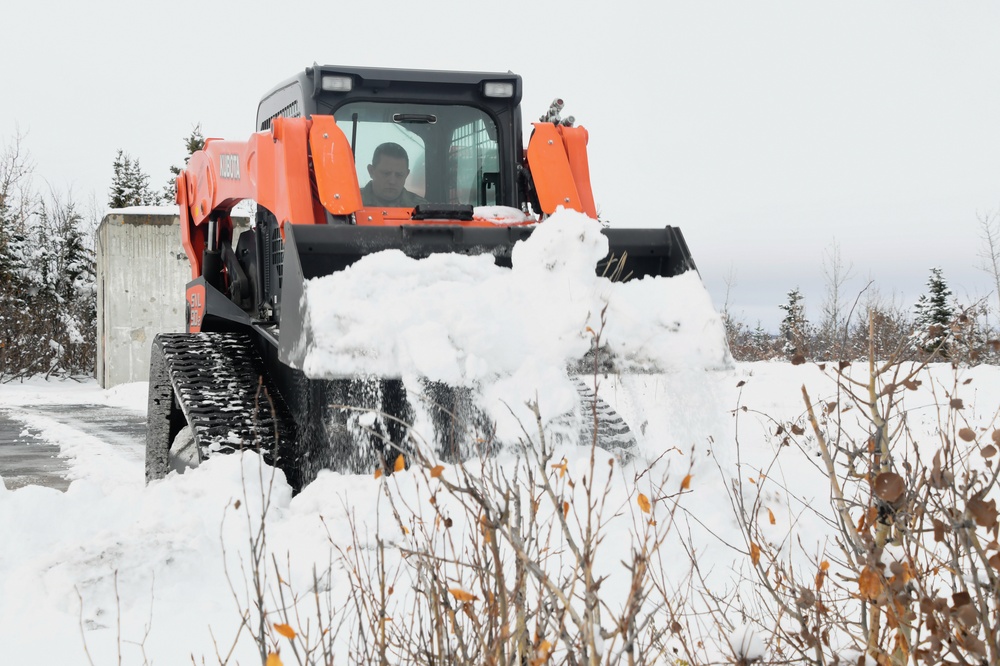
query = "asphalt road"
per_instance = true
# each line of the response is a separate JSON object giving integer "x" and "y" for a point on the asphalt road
{"x": 27, "y": 458}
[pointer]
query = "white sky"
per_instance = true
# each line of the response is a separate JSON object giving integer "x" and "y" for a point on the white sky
{"x": 764, "y": 130}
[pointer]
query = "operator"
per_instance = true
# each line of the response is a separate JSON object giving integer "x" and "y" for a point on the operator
{"x": 389, "y": 169}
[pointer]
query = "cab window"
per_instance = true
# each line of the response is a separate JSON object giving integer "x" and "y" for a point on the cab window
{"x": 452, "y": 151}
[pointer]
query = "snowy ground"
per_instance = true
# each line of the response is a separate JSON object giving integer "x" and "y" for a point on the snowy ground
{"x": 112, "y": 567}
{"x": 109, "y": 550}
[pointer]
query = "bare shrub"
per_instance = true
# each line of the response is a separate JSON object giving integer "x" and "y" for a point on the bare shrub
{"x": 908, "y": 570}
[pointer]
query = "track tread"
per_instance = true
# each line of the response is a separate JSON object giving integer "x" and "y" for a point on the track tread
{"x": 613, "y": 433}
{"x": 217, "y": 378}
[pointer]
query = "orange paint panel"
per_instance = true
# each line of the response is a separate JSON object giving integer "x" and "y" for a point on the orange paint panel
{"x": 575, "y": 139}
{"x": 394, "y": 217}
{"x": 195, "y": 307}
{"x": 293, "y": 183}
{"x": 333, "y": 164}
{"x": 192, "y": 239}
{"x": 550, "y": 170}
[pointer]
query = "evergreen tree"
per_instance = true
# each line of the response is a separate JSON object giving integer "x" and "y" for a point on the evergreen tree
{"x": 762, "y": 343}
{"x": 194, "y": 142}
{"x": 129, "y": 185}
{"x": 795, "y": 328}
{"x": 935, "y": 312}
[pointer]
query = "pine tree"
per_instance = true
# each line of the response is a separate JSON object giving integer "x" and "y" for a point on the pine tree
{"x": 795, "y": 328}
{"x": 935, "y": 312}
{"x": 129, "y": 185}
{"x": 193, "y": 143}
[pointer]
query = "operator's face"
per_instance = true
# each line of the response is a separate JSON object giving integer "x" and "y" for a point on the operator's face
{"x": 388, "y": 177}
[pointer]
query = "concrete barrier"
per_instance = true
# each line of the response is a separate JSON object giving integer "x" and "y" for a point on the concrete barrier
{"x": 141, "y": 275}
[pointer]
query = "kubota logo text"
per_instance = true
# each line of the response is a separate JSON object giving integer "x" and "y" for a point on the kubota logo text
{"x": 229, "y": 166}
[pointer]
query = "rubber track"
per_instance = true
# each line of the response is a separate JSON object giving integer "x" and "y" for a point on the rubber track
{"x": 216, "y": 377}
{"x": 613, "y": 434}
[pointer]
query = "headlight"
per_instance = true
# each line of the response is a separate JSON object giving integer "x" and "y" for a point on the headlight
{"x": 337, "y": 83}
{"x": 498, "y": 89}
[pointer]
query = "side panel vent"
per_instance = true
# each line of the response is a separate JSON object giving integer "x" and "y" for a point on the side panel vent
{"x": 290, "y": 111}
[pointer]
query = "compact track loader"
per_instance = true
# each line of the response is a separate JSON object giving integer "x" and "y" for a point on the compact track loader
{"x": 235, "y": 378}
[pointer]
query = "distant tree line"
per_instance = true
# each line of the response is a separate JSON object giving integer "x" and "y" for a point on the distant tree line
{"x": 937, "y": 327}
{"x": 48, "y": 288}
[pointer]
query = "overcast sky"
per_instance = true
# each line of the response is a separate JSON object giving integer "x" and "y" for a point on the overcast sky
{"x": 767, "y": 131}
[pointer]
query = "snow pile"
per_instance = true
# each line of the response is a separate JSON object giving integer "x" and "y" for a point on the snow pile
{"x": 463, "y": 320}
{"x": 508, "y": 333}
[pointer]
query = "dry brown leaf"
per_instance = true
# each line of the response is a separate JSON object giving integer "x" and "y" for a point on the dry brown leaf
{"x": 541, "y": 653}
{"x": 956, "y": 403}
{"x": 273, "y": 660}
{"x": 686, "y": 483}
{"x": 644, "y": 503}
{"x": 869, "y": 584}
{"x": 565, "y": 509}
{"x": 436, "y": 471}
{"x": 770, "y": 517}
{"x": 285, "y": 631}
{"x": 985, "y": 513}
{"x": 967, "y": 434}
{"x": 484, "y": 528}
{"x": 820, "y": 577}
{"x": 561, "y": 467}
{"x": 889, "y": 487}
{"x": 754, "y": 553}
{"x": 462, "y": 595}
{"x": 797, "y": 429}
{"x": 988, "y": 451}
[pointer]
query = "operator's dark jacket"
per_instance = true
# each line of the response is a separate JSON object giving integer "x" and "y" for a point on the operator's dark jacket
{"x": 405, "y": 200}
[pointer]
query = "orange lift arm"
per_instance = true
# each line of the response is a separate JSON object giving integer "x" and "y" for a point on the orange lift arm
{"x": 277, "y": 169}
{"x": 557, "y": 159}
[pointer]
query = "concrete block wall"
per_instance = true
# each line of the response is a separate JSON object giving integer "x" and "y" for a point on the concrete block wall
{"x": 141, "y": 276}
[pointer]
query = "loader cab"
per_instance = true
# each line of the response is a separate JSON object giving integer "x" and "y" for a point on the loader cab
{"x": 461, "y": 130}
